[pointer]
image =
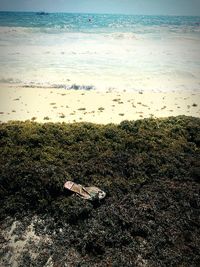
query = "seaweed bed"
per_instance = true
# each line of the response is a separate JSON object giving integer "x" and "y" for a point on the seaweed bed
{"x": 150, "y": 170}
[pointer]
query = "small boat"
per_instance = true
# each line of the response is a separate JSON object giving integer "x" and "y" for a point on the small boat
{"x": 42, "y": 13}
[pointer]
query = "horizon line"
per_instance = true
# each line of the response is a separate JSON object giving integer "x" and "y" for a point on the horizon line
{"x": 97, "y": 13}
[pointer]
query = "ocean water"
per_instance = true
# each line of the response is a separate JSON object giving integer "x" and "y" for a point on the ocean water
{"x": 102, "y": 52}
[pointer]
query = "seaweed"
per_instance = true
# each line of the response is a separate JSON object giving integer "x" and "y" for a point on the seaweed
{"x": 149, "y": 169}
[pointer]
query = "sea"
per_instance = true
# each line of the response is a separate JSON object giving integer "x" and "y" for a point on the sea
{"x": 100, "y": 51}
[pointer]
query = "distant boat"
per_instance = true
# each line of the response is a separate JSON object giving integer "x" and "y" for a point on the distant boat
{"x": 42, "y": 13}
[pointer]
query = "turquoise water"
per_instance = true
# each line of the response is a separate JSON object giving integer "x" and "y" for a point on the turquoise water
{"x": 123, "y": 52}
{"x": 97, "y": 23}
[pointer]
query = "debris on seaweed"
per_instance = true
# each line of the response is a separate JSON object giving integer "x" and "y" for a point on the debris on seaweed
{"x": 150, "y": 170}
{"x": 90, "y": 193}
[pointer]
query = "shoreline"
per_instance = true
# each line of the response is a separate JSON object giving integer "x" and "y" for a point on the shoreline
{"x": 61, "y": 105}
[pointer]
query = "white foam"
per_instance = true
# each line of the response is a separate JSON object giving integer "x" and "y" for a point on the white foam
{"x": 131, "y": 61}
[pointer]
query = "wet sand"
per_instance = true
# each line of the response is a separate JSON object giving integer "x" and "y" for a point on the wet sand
{"x": 60, "y": 105}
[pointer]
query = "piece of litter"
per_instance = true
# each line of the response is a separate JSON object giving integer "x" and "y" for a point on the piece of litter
{"x": 89, "y": 193}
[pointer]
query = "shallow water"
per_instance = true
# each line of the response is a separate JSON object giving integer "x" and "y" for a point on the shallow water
{"x": 100, "y": 51}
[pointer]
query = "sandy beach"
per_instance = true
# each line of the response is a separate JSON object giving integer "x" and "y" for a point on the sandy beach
{"x": 60, "y": 105}
{"x": 99, "y": 133}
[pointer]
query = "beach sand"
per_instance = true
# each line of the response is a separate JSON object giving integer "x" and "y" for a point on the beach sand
{"x": 60, "y": 105}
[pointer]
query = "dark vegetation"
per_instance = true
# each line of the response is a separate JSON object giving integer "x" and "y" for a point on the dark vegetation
{"x": 150, "y": 170}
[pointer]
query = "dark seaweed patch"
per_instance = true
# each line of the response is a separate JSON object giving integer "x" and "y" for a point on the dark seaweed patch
{"x": 149, "y": 169}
